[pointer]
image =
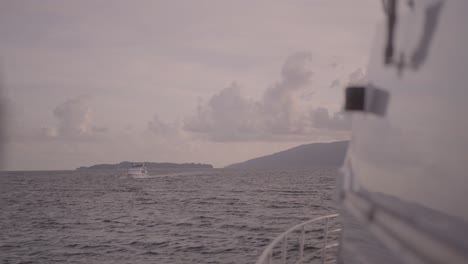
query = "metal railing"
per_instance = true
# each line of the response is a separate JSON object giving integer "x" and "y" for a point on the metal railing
{"x": 317, "y": 243}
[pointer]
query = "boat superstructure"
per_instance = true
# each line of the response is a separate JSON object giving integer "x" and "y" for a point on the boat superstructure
{"x": 137, "y": 169}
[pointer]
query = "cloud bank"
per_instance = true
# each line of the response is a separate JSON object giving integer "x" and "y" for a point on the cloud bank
{"x": 74, "y": 121}
{"x": 279, "y": 114}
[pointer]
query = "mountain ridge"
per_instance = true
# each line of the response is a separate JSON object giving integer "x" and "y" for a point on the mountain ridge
{"x": 314, "y": 155}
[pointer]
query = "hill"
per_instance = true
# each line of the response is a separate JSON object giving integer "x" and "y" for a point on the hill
{"x": 313, "y": 155}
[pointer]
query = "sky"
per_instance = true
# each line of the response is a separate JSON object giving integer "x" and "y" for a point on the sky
{"x": 87, "y": 82}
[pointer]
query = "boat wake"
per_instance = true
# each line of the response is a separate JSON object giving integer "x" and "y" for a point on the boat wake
{"x": 173, "y": 174}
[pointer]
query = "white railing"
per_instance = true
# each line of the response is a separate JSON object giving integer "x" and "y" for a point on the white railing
{"x": 311, "y": 248}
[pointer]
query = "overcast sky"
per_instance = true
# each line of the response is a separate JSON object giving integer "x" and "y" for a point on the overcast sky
{"x": 218, "y": 82}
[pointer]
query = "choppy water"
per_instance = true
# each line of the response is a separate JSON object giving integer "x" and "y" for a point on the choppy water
{"x": 217, "y": 216}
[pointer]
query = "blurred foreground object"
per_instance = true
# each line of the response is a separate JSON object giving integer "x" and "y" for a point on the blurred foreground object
{"x": 405, "y": 177}
{"x": 404, "y": 182}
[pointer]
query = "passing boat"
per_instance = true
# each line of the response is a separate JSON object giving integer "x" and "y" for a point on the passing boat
{"x": 403, "y": 187}
{"x": 137, "y": 170}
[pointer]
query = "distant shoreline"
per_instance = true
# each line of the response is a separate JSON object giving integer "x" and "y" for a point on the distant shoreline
{"x": 149, "y": 165}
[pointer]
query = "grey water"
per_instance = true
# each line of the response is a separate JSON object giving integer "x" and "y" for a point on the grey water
{"x": 211, "y": 216}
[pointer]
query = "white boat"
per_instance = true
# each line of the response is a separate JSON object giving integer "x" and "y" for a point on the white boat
{"x": 138, "y": 170}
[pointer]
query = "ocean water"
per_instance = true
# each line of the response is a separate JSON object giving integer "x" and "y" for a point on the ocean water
{"x": 209, "y": 216}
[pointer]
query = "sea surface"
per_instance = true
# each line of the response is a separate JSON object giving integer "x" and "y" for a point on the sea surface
{"x": 202, "y": 216}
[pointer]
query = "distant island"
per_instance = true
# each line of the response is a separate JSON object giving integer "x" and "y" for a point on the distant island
{"x": 315, "y": 155}
{"x": 149, "y": 165}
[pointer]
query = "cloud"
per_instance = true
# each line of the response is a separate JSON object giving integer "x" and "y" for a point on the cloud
{"x": 279, "y": 106}
{"x": 229, "y": 116}
{"x": 160, "y": 128}
{"x": 74, "y": 121}
{"x": 322, "y": 119}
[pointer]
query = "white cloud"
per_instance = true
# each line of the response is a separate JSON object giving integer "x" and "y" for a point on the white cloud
{"x": 163, "y": 129}
{"x": 230, "y": 116}
{"x": 74, "y": 121}
{"x": 280, "y": 102}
